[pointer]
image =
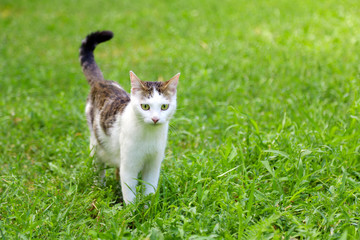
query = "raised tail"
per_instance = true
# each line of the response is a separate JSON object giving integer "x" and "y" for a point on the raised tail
{"x": 90, "y": 68}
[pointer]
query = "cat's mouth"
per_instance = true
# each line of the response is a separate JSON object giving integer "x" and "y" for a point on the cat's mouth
{"x": 153, "y": 123}
{"x": 156, "y": 124}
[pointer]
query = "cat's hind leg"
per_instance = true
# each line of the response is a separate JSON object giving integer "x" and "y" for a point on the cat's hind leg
{"x": 97, "y": 162}
{"x": 117, "y": 174}
{"x": 100, "y": 168}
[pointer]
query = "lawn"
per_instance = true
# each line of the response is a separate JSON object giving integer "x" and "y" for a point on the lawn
{"x": 265, "y": 143}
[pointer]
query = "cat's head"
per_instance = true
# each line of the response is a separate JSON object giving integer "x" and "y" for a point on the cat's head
{"x": 154, "y": 102}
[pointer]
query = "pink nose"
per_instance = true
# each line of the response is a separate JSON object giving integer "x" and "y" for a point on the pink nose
{"x": 155, "y": 119}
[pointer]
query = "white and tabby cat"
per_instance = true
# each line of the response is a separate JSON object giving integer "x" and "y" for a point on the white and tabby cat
{"x": 128, "y": 131}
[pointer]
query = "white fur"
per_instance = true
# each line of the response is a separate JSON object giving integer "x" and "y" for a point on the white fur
{"x": 135, "y": 144}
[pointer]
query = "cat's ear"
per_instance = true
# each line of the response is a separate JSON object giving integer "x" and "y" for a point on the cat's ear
{"x": 136, "y": 83}
{"x": 171, "y": 84}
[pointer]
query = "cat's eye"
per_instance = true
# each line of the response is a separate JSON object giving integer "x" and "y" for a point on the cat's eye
{"x": 145, "y": 106}
{"x": 164, "y": 107}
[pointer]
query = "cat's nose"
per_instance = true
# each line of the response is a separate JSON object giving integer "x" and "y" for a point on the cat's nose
{"x": 155, "y": 119}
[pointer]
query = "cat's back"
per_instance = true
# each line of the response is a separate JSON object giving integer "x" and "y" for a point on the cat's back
{"x": 104, "y": 91}
{"x": 108, "y": 99}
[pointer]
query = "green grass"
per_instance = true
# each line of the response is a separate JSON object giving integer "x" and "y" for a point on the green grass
{"x": 265, "y": 143}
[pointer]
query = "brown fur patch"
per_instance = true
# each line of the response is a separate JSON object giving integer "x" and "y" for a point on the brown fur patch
{"x": 160, "y": 87}
{"x": 109, "y": 99}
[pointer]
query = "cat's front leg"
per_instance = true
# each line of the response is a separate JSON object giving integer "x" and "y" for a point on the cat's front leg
{"x": 151, "y": 173}
{"x": 128, "y": 186}
{"x": 129, "y": 171}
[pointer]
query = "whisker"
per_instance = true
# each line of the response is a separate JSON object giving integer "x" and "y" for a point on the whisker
{"x": 173, "y": 130}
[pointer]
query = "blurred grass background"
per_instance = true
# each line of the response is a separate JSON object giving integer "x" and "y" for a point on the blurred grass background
{"x": 265, "y": 143}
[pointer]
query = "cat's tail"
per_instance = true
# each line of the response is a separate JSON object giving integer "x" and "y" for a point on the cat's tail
{"x": 90, "y": 68}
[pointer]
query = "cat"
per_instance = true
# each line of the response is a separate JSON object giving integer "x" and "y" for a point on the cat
{"x": 127, "y": 131}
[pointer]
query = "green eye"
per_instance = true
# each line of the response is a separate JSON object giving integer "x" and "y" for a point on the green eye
{"x": 164, "y": 106}
{"x": 145, "y": 106}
